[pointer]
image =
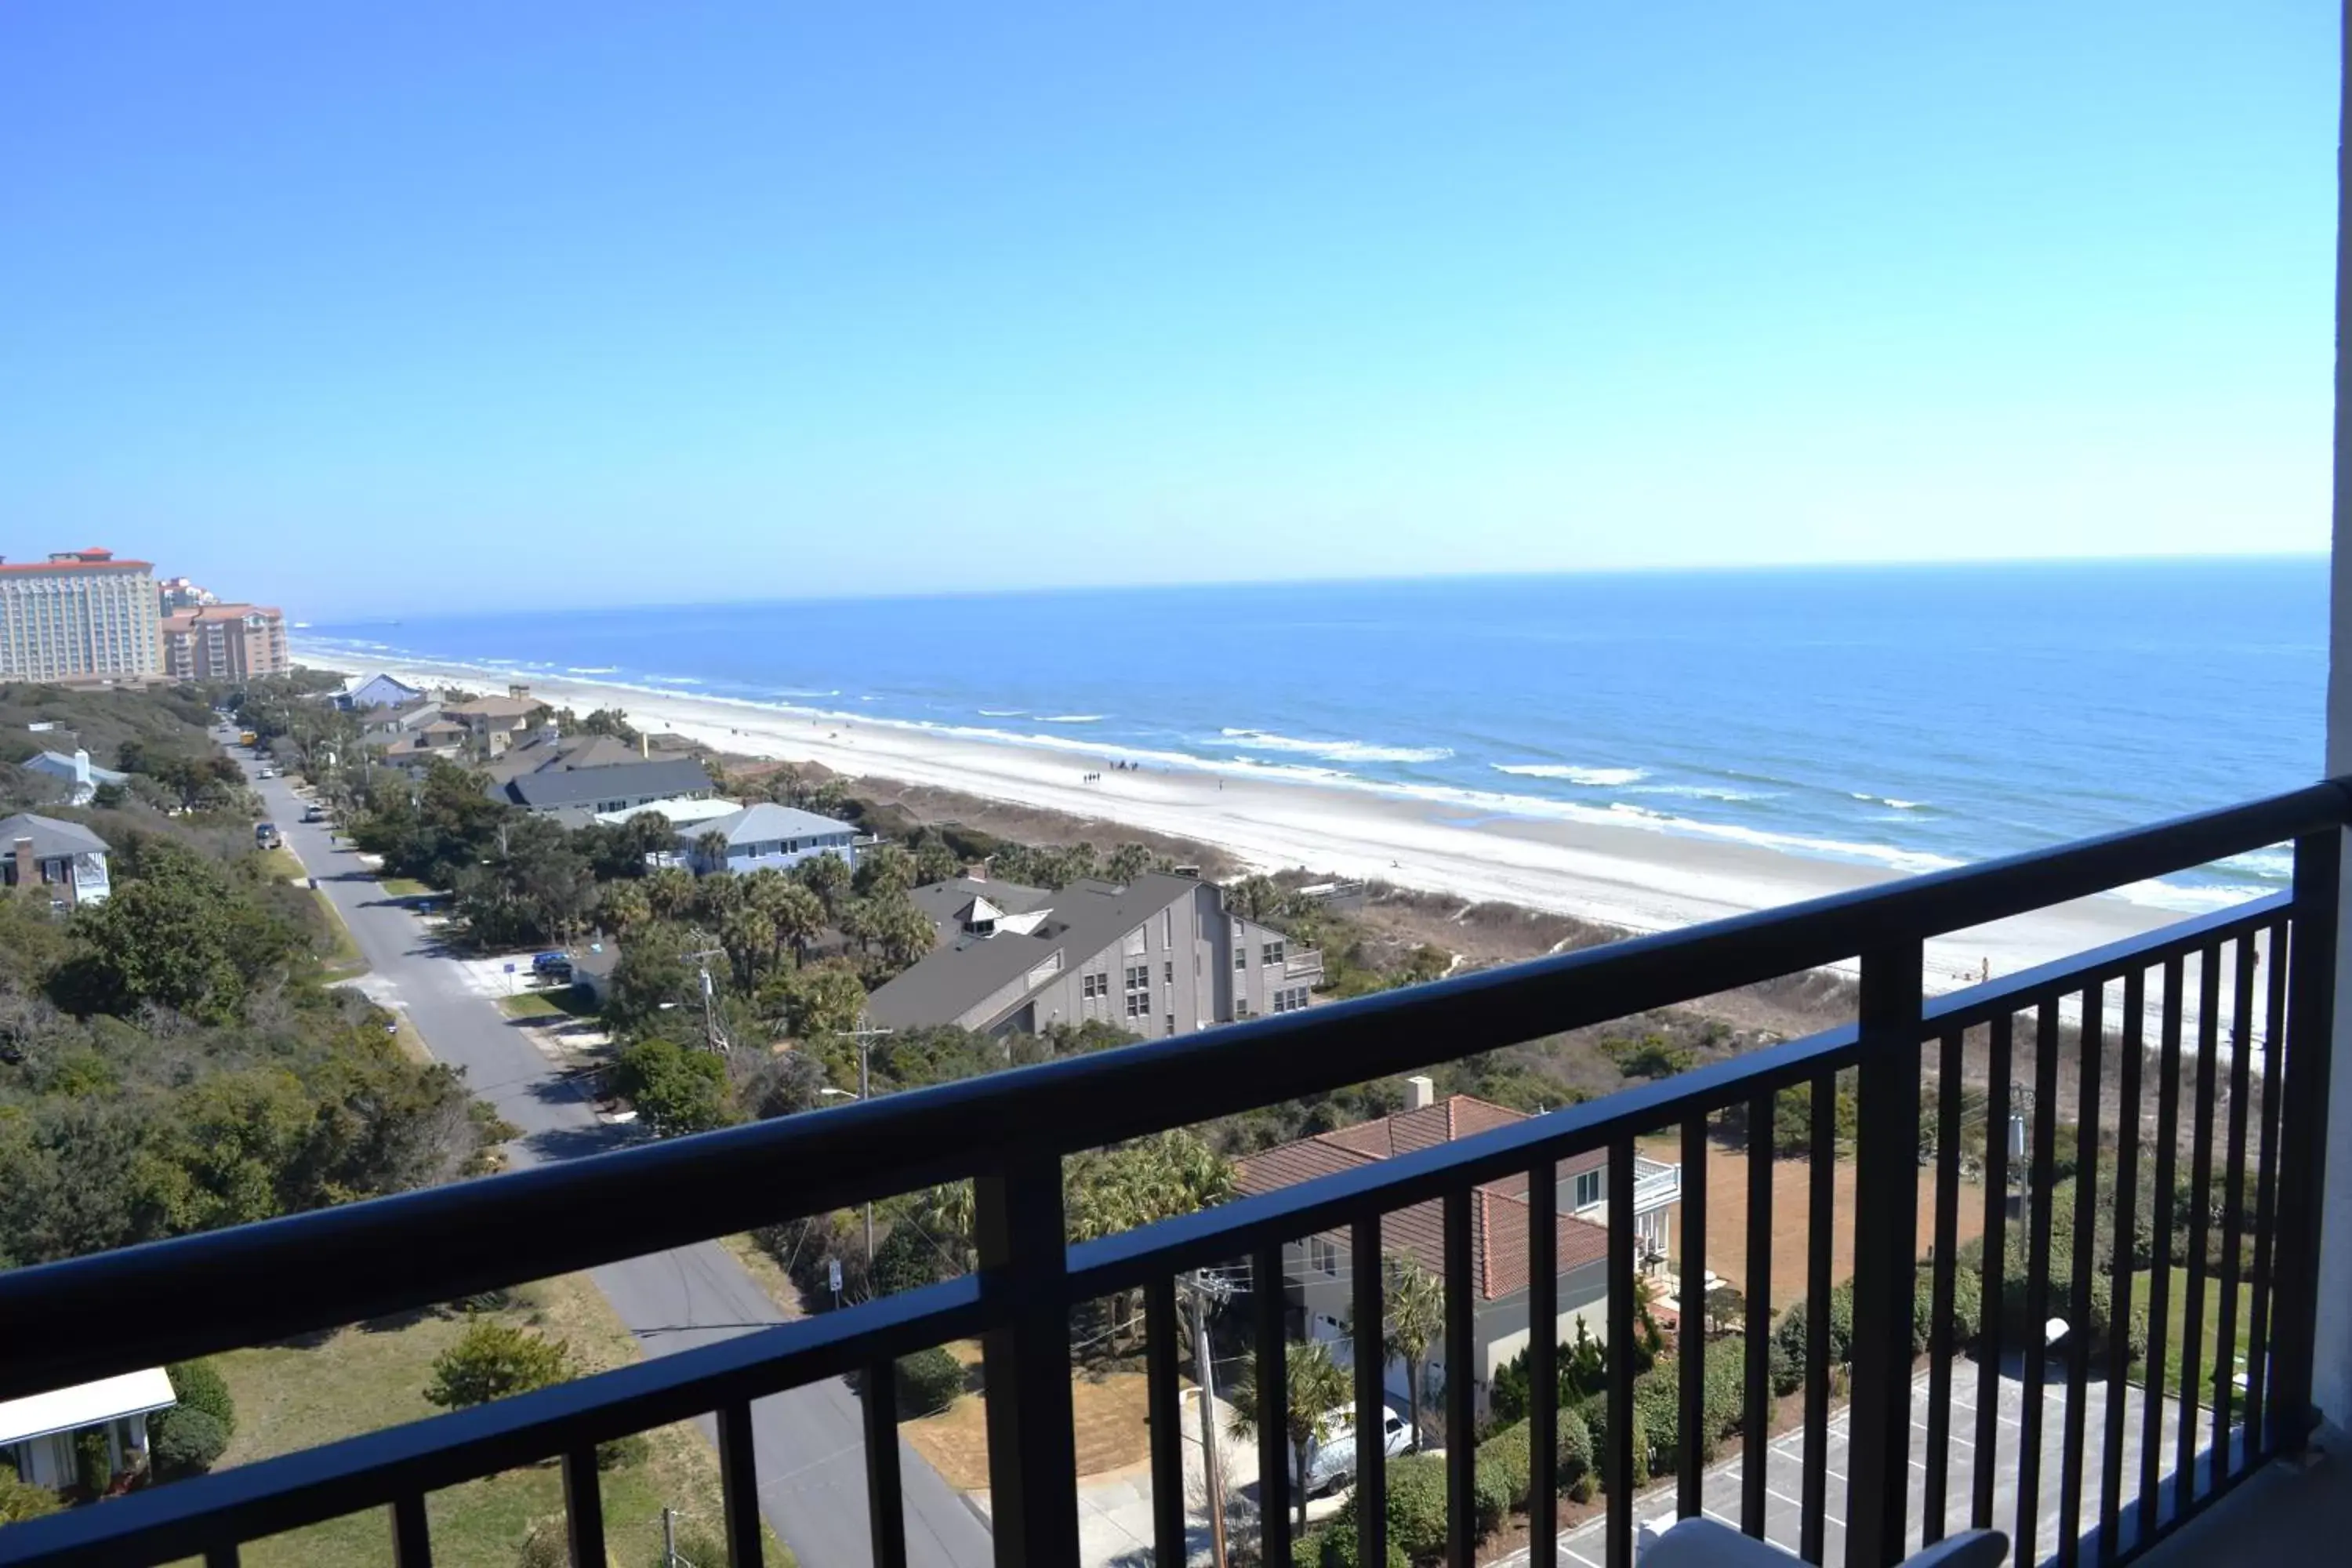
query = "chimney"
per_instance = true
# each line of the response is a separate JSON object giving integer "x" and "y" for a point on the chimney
{"x": 82, "y": 769}
{"x": 977, "y": 870}
{"x": 1420, "y": 1093}
{"x": 645, "y": 746}
{"x": 29, "y": 875}
{"x": 518, "y": 692}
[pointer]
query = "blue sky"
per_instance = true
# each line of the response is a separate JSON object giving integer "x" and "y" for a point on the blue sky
{"x": 439, "y": 306}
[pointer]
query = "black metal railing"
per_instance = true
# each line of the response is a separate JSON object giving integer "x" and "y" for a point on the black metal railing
{"x": 66, "y": 1322}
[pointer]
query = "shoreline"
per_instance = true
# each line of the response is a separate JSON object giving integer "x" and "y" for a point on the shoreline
{"x": 1630, "y": 878}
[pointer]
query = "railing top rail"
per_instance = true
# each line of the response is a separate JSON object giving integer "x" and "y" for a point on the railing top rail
{"x": 254, "y": 1283}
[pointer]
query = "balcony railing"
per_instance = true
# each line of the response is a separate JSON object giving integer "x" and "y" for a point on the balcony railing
{"x": 1656, "y": 1184}
{"x": 2149, "y": 1461}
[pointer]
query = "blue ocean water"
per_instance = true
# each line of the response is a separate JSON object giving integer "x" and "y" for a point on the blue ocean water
{"x": 1910, "y": 717}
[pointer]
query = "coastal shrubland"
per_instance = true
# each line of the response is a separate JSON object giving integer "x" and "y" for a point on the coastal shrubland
{"x": 170, "y": 1059}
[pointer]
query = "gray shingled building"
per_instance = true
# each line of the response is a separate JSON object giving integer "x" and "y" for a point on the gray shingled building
{"x": 1156, "y": 956}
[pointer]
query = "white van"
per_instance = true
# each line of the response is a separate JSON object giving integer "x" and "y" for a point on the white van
{"x": 1331, "y": 1464}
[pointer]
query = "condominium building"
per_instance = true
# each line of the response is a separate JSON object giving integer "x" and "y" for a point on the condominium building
{"x": 180, "y": 594}
{"x": 82, "y": 615}
{"x": 223, "y": 642}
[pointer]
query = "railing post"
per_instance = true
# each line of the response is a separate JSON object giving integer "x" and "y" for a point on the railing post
{"x": 1026, "y": 1362}
{"x": 1886, "y": 1219}
{"x": 2303, "y": 1135}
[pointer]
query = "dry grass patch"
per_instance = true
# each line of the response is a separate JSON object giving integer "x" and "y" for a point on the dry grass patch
{"x": 1110, "y": 1411}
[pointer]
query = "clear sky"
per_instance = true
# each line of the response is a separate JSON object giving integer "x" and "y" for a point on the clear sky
{"x": 429, "y": 305}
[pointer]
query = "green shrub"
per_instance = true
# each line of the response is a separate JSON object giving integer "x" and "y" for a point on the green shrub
{"x": 1657, "y": 1406}
{"x": 1490, "y": 1488}
{"x": 1575, "y": 1450}
{"x": 622, "y": 1453}
{"x": 1596, "y": 1418}
{"x": 185, "y": 1441}
{"x": 21, "y": 1500}
{"x": 198, "y": 1385}
{"x": 1724, "y": 1388}
{"x": 695, "y": 1545}
{"x": 1333, "y": 1547}
{"x": 544, "y": 1546}
{"x": 1791, "y": 1331}
{"x": 93, "y": 1461}
{"x": 493, "y": 1361}
{"x": 1507, "y": 1452}
{"x": 928, "y": 1382}
{"x": 1417, "y": 1506}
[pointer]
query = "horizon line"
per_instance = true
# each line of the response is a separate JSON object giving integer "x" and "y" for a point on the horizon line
{"x": 1365, "y": 581}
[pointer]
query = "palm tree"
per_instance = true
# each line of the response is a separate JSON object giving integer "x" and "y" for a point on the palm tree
{"x": 669, "y": 891}
{"x": 884, "y": 870}
{"x": 711, "y": 850}
{"x": 799, "y": 915}
{"x": 905, "y": 933}
{"x": 1413, "y": 1307}
{"x": 1316, "y": 1392}
{"x": 624, "y": 906}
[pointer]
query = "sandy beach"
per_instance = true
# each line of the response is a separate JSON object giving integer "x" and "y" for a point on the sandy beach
{"x": 1627, "y": 877}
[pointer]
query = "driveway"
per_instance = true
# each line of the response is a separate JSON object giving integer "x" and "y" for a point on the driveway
{"x": 809, "y": 1441}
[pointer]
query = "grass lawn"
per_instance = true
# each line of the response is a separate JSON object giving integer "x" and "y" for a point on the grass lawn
{"x": 341, "y": 960}
{"x": 1110, "y": 1410}
{"x": 2176, "y": 1316}
{"x": 1727, "y": 1216}
{"x": 373, "y": 1376}
{"x": 404, "y": 887}
{"x": 563, "y": 1002}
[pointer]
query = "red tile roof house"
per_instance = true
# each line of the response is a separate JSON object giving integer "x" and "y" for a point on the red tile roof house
{"x": 1316, "y": 1269}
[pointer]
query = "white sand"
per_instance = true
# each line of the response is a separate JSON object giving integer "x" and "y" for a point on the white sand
{"x": 1628, "y": 876}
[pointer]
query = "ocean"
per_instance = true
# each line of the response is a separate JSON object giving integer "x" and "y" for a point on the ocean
{"x": 1905, "y": 717}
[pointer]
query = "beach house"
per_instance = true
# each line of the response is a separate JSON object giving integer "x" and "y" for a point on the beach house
{"x": 80, "y": 776}
{"x": 65, "y": 859}
{"x": 378, "y": 691}
{"x": 1315, "y": 1274}
{"x": 1159, "y": 956}
{"x": 493, "y": 723}
{"x": 762, "y": 833}
{"x": 40, "y": 1433}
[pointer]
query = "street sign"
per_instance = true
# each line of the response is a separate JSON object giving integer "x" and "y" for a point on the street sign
{"x": 832, "y": 1274}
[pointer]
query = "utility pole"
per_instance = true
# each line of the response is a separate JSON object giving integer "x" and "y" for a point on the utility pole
{"x": 712, "y": 1035}
{"x": 864, "y": 1038}
{"x": 1203, "y": 1288}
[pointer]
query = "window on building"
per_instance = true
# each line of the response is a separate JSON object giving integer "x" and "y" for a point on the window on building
{"x": 1588, "y": 1188}
{"x": 1168, "y": 927}
{"x": 1171, "y": 1022}
{"x": 1323, "y": 1255}
{"x": 1087, "y": 987}
{"x": 1171, "y": 976}
{"x": 1139, "y": 1002}
{"x": 1272, "y": 953}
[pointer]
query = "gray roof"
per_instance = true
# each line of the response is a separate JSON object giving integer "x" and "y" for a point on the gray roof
{"x": 942, "y": 902}
{"x": 1086, "y": 918}
{"x": 585, "y": 786}
{"x": 764, "y": 821}
{"x": 64, "y": 768}
{"x": 51, "y": 837}
{"x": 595, "y": 958}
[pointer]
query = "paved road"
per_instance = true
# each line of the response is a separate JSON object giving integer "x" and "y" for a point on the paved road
{"x": 809, "y": 1441}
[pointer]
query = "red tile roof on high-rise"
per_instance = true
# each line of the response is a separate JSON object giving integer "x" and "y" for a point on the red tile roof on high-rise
{"x": 90, "y": 560}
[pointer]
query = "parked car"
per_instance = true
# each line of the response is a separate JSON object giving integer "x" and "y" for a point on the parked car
{"x": 554, "y": 966}
{"x": 264, "y": 835}
{"x": 1331, "y": 1464}
{"x": 315, "y": 814}
{"x": 267, "y": 771}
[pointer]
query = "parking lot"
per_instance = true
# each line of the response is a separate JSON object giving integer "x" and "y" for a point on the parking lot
{"x": 1586, "y": 1546}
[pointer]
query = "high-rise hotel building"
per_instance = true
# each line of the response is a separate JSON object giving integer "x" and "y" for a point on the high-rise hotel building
{"x": 82, "y": 615}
